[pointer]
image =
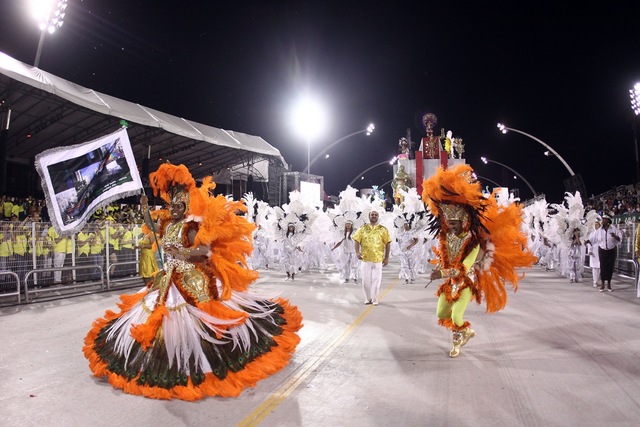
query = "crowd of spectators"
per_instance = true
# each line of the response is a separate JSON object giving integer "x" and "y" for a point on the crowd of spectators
{"x": 621, "y": 200}
{"x": 27, "y": 239}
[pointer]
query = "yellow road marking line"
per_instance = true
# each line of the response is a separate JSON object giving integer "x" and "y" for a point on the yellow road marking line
{"x": 306, "y": 369}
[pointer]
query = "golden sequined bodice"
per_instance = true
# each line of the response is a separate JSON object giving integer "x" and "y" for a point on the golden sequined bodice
{"x": 173, "y": 237}
{"x": 455, "y": 243}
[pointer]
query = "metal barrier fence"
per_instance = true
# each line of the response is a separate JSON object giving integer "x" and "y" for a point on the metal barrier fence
{"x": 36, "y": 262}
{"x": 626, "y": 261}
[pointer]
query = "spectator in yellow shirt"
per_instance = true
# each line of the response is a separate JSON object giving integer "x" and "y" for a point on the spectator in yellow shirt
{"x": 59, "y": 253}
{"x": 83, "y": 254}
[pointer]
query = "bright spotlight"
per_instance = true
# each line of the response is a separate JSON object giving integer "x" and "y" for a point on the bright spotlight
{"x": 635, "y": 98}
{"x": 309, "y": 117}
{"x": 370, "y": 129}
{"x": 49, "y": 14}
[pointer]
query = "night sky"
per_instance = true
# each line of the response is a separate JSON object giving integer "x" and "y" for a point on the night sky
{"x": 560, "y": 71}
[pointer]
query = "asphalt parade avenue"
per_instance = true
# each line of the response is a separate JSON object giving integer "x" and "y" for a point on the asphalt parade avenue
{"x": 560, "y": 354}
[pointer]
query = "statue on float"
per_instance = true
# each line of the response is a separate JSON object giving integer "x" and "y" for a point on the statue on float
{"x": 401, "y": 181}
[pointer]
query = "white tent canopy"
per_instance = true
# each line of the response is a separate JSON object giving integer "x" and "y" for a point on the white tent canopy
{"x": 46, "y": 111}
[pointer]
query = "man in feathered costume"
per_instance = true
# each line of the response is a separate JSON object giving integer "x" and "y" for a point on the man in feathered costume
{"x": 195, "y": 330}
{"x": 480, "y": 246}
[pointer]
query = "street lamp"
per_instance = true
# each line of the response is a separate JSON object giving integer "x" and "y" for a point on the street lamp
{"x": 482, "y": 178}
{"x": 505, "y": 129}
{"x": 368, "y": 131}
{"x": 391, "y": 162}
{"x": 635, "y": 106}
{"x": 50, "y": 16}
{"x": 309, "y": 120}
{"x": 485, "y": 161}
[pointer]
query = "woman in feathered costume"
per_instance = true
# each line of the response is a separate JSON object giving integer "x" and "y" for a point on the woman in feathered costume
{"x": 480, "y": 246}
{"x": 194, "y": 331}
{"x": 257, "y": 212}
{"x": 409, "y": 225}
{"x": 346, "y": 219}
{"x": 345, "y": 258}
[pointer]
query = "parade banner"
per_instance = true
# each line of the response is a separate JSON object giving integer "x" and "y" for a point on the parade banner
{"x": 80, "y": 179}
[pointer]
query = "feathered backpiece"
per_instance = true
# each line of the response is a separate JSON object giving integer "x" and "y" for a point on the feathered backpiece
{"x": 570, "y": 216}
{"x": 349, "y": 201}
{"x": 411, "y": 210}
{"x": 454, "y": 192}
{"x": 252, "y": 206}
{"x": 509, "y": 244}
{"x": 297, "y": 212}
{"x": 348, "y": 210}
{"x": 287, "y": 219}
{"x": 355, "y": 218}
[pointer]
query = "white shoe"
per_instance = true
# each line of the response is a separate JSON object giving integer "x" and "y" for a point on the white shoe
{"x": 367, "y": 302}
{"x": 374, "y": 302}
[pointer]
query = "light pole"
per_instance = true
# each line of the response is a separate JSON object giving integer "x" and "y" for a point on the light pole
{"x": 309, "y": 119}
{"x": 50, "y": 16}
{"x": 485, "y": 161}
{"x": 482, "y": 178}
{"x": 391, "y": 162}
{"x": 505, "y": 129}
{"x": 368, "y": 131}
{"x": 635, "y": 106}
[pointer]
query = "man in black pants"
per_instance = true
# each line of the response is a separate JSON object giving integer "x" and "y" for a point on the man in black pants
{"x": 606, "y": 239}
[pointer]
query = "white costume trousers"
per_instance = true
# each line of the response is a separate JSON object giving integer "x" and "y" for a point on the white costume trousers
{"x": 58, "y": 261}
{"x": 371, "y": 275}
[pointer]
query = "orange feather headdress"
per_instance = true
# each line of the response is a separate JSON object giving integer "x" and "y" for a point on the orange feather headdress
{"x": 454, "y": 193}
{"x": 174, "y": 184}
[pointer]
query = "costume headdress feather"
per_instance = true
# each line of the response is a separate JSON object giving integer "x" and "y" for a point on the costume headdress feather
{"x": 455, "y": 194}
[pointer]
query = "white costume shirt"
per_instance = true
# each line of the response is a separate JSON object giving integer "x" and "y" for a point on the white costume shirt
{"x": 604, "y": 239}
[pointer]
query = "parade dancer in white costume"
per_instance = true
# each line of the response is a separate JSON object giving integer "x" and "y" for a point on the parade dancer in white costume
{"x": 293, "y": 222}
{"x": 257, "y": 212}
{"x": 594, "y": 259}
{"x": 346, "y": 218}
{"x": 571, "y": 225}
{"x": 409, "y": 252}
{"x": 344, "y": 251}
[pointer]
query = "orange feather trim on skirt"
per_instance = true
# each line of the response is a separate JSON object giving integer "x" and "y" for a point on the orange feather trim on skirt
{"x": 235, "y": 382}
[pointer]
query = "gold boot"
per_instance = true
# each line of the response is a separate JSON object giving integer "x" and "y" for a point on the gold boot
{"x": 467, "y": 334}
{"x": 457, "y": 341}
